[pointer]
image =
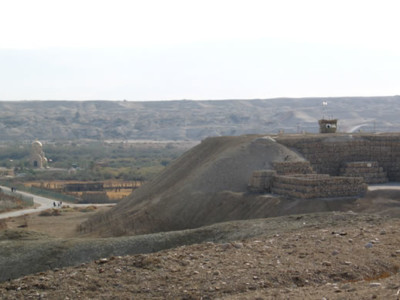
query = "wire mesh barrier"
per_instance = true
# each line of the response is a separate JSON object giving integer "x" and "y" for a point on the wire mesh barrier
{"x": 39, "y": 192}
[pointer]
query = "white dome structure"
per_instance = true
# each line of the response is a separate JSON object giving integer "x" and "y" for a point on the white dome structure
{"x": 37, "y": 157}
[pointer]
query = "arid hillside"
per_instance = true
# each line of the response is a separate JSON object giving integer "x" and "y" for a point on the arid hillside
{"x": 208, "y": 184}
{"x": 205, "y": 185}
{"x": 189, "y": 120}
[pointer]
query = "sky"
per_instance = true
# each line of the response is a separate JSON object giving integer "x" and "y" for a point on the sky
{"x": 201, "y": 50}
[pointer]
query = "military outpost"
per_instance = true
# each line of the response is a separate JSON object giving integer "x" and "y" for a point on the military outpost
{"x": 335, "y": 164}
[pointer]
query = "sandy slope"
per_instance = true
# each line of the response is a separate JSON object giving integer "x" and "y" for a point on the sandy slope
{"x": 204, "y": 186}
{"x": 208, "y": 184}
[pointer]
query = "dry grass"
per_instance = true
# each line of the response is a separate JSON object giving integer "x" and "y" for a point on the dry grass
{"x": 3, "y": 224}
{"x": 61, "y": 226}
{"x": 86, "y": 209}
{"x": 50, "y": 212}
{"x": 111, "y": 194}
{"x": 117, "y": 195}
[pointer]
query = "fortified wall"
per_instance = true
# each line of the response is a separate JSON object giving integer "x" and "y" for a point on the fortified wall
{"x": 329, "y": 154}
{"x": 337, "y": 165}
{"x": 309, "y": 186}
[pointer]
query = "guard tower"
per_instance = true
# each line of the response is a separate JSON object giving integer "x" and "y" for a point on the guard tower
{"x": 327, "y": 126}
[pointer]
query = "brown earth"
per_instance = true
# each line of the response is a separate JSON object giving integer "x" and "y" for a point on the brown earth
{"x": 332, "y": 255}
{"x": 208, "y": 184}
{"x": 204, "y": 186}
{"x": 320, "y": 256}
{"x": 60, "y": 226}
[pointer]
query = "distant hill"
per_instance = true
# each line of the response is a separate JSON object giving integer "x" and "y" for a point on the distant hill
{"x": 189, "y": 120}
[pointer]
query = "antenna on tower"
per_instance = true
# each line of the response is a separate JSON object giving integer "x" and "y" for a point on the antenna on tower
{"x": 328, "y": 124}
{"x": 324, "y": 108}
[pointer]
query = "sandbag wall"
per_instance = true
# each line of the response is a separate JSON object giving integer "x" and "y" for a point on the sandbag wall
{"x": 369, "y": 170}
{"x": 328, "y": 153}
{"x": 293, "y": 167}
{"x": 318, "y": 186}
{"x": 261, "y": 181}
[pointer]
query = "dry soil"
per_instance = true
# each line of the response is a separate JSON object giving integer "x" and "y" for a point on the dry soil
{"x": 322, "y": 256}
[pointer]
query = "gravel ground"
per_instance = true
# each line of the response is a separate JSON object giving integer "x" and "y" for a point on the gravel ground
{"x": 326, "y": 256}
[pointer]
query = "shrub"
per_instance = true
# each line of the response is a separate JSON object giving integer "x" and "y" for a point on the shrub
{"x": 50, "y": 212}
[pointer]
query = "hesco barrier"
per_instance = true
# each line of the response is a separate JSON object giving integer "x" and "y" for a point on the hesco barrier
{"x": 369, "y": 170}
{"x": 344, "y": 163}
{"x": 327, "y": 153}
{"x": 295, "y": 167}
{"x": 261, "y": 181}
{"x": 318, "y": 186}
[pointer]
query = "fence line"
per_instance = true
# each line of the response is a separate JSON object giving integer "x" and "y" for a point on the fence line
{"x": 40, "y": 192}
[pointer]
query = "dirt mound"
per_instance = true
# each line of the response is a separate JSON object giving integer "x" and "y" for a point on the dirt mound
{"x": 208, "y": 184}
{"x": 193, "y": 191}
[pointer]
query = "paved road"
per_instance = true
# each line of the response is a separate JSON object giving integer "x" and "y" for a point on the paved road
{"x": 385, "y": 186}
{"x": 43, "y": 202}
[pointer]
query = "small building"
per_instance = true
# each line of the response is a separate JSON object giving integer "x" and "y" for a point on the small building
{"x": 327, "y": 126}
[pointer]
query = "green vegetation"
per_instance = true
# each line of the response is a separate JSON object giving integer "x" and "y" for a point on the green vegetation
{"x": 14, "y": 155}
{"x": 92, "y": 160}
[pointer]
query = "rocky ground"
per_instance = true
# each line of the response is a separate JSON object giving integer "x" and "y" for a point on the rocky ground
{"x": 327, "y": 256}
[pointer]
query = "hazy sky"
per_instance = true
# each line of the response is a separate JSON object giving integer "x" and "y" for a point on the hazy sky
{"x": 208, "y": 49}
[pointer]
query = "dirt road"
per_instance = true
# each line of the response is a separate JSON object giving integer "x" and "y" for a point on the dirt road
{"x": 385, "y": 186}
{"x": 43, "y": 204}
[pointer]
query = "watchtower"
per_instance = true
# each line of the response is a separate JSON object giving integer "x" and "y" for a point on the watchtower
{"x": 327, "y": 126}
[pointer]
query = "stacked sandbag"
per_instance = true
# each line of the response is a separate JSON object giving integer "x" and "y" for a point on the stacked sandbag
{"x": 369, "y": 170}
{"x": 309, "y": 186}
{"x": 328, "y": 153}
{"x": 295, "y": 167}
{"x": 261, "y": 181}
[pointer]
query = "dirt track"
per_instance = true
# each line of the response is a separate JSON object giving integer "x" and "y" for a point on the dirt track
{"x": 42, "y": 203}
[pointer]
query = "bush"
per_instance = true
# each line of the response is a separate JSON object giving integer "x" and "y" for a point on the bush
{"x": 50, "y": 213}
